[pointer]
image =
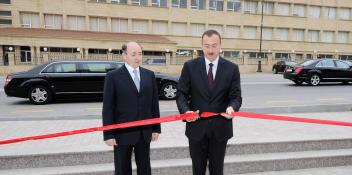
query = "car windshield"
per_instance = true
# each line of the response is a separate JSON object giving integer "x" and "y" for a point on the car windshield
{"x": 307, "y": 63}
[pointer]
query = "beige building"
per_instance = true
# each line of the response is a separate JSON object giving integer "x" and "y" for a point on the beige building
{"x": 35, "y": 31}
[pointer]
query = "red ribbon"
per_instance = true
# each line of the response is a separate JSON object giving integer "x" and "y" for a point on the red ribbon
{"x": 281, "y": 118}
{"x": 188, "y": 116}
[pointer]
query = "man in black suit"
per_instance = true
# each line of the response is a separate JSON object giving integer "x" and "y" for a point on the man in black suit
{"x": 130, "y": 94}
{"x": 209, "y": 83}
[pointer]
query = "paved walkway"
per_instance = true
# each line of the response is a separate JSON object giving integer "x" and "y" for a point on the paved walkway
{"x": 245, "y": 131}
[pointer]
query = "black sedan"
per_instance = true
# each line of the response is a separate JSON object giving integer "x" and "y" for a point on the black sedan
{"x": 280, "y": 66}
{"x": 74, "y": 80}
{"x": 322, "y": 70}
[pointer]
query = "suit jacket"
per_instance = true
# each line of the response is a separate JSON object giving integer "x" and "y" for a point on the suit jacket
{"x": 123, "y": 103}
{"x": 193, "y": 94}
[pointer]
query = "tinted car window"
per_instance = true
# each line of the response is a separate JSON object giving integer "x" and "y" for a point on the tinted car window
{"x": 342, "y": 65}
{"x": 326, "y": 63}
{"x": 307, "y": 63}
{"x": 96, "y": 67}
{"x": 61, "y": 68}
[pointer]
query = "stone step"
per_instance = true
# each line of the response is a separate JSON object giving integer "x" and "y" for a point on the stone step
{"x": 102, "y": 157}
{"x": 234, "y": 164}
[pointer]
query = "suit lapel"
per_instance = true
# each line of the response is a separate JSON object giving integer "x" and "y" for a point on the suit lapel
{"x": 203, "y": 73}
{"x": 129, "y": 80}
{"x": 143, "y": 79}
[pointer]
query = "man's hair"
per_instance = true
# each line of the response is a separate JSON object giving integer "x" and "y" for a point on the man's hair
{"x": 210, "y": 33}
{"x": 124, "y": 46}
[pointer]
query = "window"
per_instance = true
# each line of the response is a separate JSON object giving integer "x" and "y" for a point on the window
{"x": 257, "y": 55}
{"x": 297, "y": 34}
{"x": 160, "y": 27}
{"x": 61, "y": 68}
{"x": 283, "y": 9}
{"x": 96, "y": 67}
{"x": 216, "y": 5}
{"x": 30, "y": 20}
{"x": 328, "y": 36}
{"x": 342, "y": 37}
{"x": 59, "y": 49}
{"x": 181, "y": 52}
{"x": 268, "y": 8}
{"x": 330, "y": 12}
{"x": 299, "y": 10}
{"x": 5, "y": 13}
{"x": 231, "y": 54}
{"x": 26, "y": 55}
{"x": 314, "y": 11}
{"x": 159, "y": 3}
{"x": 140, "y": 26}
{"x": 342, "y": 65}
{"x": 53, "y": 21}
{"x": 313, "y": 36}
{"x": 98, "y": 51}
{"x": 119, "y": 1}
{"x": 218, "y": 28}
{"x": 250, "y": 6}
{"x": 98, "y": 24}
{"x": 250, "y": 32}
{"x": 179, "y": 3}
{"x": 344, "y": 13}
{"x": 5, "y": 1}
{"x": 232, "y": 32}
{"x": 233, "y": 5}
{"x": 326, "y": 63}
{"x": 5, "y": 21}
{"x": 281, "y": 34}
{"x": 119, "y": 25}
{"x": 179, "y": 28}
{"x": 267, "y": 33}
{"x": 282, "y": 56}
{"x": 197, "y": 29}
{"x": 76, "y": 22}
{"x": 323, "y": 56}
{"x": 345, "y": 57}
{"x": 140, "y": 2}
{"x": 198, "y": 4}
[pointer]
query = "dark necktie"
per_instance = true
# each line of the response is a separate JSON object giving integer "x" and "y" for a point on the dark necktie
{"x": 210, "y": 76}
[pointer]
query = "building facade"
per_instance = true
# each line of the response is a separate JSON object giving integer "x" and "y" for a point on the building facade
{"x": 35, "y": 31}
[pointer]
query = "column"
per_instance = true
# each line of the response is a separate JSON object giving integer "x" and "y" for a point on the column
{"x": 33, "y": 55}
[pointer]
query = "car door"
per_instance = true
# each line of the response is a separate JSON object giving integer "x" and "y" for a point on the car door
{"x": 344, "y": 70}
{"x": 327, "y": 68}
{"x": 63, "y": 77}
{"x": 93, "y": 73}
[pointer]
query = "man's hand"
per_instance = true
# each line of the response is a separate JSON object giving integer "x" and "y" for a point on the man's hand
{"x": 192, "y": 120}
{"x": 229, "y": 111}
{"x": 155, "y": 136}
{"x": 111, "y": 142}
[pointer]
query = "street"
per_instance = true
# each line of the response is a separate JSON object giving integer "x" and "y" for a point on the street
{"x": 258, "y": 91}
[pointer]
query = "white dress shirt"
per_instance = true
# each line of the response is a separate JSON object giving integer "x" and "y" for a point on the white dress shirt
{"x": 215, "y": 65}
{"x": 130, "y": 70}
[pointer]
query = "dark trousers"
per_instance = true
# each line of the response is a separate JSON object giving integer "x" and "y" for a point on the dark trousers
{"x": 207, "y": 149}
{"x": 123, "y": 154}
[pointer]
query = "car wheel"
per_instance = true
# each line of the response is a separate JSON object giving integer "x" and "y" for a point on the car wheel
{"x": 314, "y": 80}
{"x": 297, "y": 82}
{"x": 39, "y": 95}
{"x": 275, "y": 71}
{"x": 168, "y": 91}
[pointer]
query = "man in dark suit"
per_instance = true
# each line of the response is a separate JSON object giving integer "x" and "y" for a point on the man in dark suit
{"x": 130, "y": 94}
{"x": 209, "y": 83}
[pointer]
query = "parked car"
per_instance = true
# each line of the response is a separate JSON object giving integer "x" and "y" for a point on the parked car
{"x": 280, "y": 66}
{"x": 72, "y": 79}
{"x": 322, "y": 70}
